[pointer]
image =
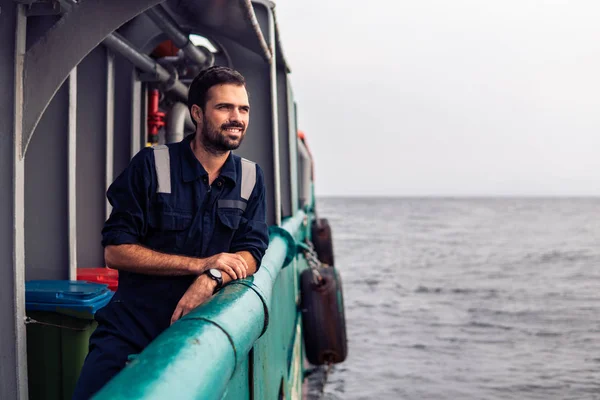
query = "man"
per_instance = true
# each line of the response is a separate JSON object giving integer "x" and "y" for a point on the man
{"x": 187, "y": 218}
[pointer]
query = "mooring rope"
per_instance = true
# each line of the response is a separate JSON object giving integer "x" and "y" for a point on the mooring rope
{"x": 324, "y": 380}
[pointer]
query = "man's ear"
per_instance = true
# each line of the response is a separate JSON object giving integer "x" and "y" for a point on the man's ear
{"x": 197, "y": 114}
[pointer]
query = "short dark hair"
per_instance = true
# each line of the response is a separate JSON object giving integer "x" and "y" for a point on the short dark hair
{"x": 215, "y": 75}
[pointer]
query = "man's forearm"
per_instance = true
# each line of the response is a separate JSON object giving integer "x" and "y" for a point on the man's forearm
{"x": 139, "y": 259}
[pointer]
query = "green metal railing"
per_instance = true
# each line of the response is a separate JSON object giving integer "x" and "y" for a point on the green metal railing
{"x": 215, "y": 351}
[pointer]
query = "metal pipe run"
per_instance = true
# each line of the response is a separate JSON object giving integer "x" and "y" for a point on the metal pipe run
{"x": 305, "y": 181}
{"x": 119, "y": 45}
{"x": 169, "y": 26}
{"x": 275, "y": 119}
{"x": 178, "y": 122}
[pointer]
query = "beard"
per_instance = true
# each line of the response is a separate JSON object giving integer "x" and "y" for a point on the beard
{"x": 217, "y": 140}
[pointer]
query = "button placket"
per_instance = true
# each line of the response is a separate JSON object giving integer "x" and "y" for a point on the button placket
{"x": 209, "y": 213}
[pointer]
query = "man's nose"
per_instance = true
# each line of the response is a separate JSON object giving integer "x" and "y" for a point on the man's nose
{"x": 234, "y": 115}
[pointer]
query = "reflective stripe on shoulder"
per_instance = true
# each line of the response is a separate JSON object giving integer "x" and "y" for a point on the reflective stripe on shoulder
{"x": 248, "y": 178}
{"x": 163, "y": 168}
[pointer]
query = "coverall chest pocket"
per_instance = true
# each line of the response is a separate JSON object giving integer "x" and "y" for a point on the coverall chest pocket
{"x": 172, "y": 229}
{"x": 228, "y": 223}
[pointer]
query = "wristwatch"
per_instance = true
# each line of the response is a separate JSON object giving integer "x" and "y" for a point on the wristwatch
{"x": 216, "y": 275}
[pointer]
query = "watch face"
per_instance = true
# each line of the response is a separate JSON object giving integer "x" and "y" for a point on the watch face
{"x": 215, "y": 272}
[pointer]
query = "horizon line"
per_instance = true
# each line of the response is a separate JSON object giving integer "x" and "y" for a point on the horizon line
{"x": 462, "y": 196}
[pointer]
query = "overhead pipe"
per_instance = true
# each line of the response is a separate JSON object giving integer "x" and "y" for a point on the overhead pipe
{"x": 251, "y": 18}
{"x": 120, "y": 45}
{"x": 169, "y": 26}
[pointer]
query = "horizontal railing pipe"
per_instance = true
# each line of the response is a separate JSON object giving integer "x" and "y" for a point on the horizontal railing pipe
{"x": 196, "y": 357}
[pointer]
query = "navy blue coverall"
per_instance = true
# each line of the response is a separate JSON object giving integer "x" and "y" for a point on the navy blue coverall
{"x": 196, "y": 219}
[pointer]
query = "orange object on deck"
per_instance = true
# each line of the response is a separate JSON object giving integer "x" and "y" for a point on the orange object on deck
{"x": 165, "y": 49}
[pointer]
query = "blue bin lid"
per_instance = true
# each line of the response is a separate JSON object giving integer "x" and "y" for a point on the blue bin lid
{"x": 86, "y": 310}
{"x": 64, "y": 292}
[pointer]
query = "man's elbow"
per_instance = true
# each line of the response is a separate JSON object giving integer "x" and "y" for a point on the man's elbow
{"x": 113, "y": 254}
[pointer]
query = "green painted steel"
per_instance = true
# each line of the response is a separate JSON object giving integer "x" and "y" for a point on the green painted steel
{"x": 239, "y": 385}
{"x": 271, "y": 350}
{"x": 278, "y": 353}
{"x": 196, "y": 357}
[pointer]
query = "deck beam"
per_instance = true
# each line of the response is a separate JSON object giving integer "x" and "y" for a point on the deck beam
{"x": 45, "y": 72}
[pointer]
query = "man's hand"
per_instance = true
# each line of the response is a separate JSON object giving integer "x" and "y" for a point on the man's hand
{"x": 198, "y": 292}
{"x": 233, "y": 265}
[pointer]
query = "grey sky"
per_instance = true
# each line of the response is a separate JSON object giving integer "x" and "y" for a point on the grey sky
{"x": 461, "y": 97}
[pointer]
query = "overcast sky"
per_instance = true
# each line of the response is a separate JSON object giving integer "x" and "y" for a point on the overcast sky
{"x": 461, "y": 97}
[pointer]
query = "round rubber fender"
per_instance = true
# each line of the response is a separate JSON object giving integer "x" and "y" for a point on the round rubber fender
{"x": 323, "y": 317}
{"x": 323, "y": 241}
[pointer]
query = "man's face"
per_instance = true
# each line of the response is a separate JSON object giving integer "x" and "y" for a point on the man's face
{"x": 225, "y": 118}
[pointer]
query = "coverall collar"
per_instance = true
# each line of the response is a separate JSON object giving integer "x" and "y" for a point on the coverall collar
{"x": 192, "y": 169}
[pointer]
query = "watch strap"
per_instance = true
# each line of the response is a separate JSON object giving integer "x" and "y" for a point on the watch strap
{"x": 218, "y": 280}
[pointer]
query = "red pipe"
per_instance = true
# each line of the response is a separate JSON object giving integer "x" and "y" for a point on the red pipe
{"x": 156, "y": 119}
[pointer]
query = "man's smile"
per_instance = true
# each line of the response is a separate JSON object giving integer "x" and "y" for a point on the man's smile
{"x": 233, "y": 133}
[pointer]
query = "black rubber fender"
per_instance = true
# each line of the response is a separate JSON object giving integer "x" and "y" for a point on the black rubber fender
{"x": 323, "y": 317}
{"x": 323, "y": 241}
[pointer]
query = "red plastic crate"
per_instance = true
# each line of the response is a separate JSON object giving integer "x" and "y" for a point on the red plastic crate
{"x": 107, "y": 276}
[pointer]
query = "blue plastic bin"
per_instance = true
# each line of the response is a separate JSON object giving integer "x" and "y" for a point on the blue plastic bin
{"x": 60, "y": 322}
{"x": 66, "y": 297}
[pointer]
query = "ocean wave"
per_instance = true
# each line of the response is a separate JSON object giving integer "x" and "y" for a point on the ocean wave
{"x": 555, "y": 256}
{"x": 487, "y": 292}
{"x": 531, "y": 387}
{"x": 548, "y": 334}
{"x": 477, "y": 324}
{"x": 424, "y": 289}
